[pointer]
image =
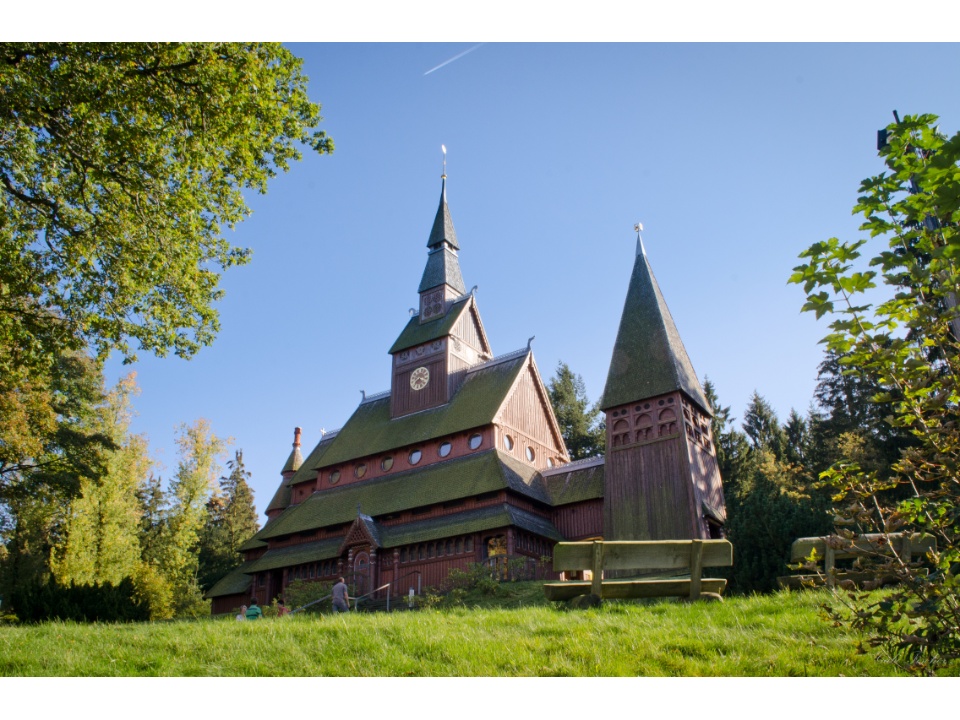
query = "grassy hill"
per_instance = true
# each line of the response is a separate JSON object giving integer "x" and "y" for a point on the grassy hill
{"x": 514, "y": 633}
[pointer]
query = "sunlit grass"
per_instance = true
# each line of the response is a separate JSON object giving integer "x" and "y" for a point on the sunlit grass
{"x": 779, "y": 634}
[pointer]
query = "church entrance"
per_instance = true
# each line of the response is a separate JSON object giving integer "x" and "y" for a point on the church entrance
{"x": 497, "y": 555}
{"x": 361, "y": 573}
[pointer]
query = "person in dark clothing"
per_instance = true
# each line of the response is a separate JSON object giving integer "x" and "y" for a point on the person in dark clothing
{"x": 341, "y": 597}
{"x": 254, "y": 612}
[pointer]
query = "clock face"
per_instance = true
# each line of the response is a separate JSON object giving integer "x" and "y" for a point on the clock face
{"x": 419, "y": 378}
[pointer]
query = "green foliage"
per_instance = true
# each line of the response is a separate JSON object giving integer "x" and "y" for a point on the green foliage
{"x": 583, "y": 433}
{"x": 121, "y": 163}
{"x": 231, "y": 521}
{"x": 83, "y": 602}
{"x": 906, "y": 346}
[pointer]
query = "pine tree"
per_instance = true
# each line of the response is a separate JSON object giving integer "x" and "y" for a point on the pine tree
{"x": 762, "y": 427}
{"x": 583, "y": 435}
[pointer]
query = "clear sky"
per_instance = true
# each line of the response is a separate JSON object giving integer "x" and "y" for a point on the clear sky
{"x": 735, "y": 157}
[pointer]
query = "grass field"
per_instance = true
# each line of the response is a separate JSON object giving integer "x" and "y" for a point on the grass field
{"x": 514, "y": 634}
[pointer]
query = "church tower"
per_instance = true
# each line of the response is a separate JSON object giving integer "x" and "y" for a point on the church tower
{"x": 661, "y": 479}
{"x": 432, "y": 354}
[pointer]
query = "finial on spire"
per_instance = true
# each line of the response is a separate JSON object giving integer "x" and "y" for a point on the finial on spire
{"x": 364, "y": 394}
{"x": 641, "y": 250}
{"x": 530, "y": 341}
{"x": 296, "y": 437}
{"x": 444, "y": 149}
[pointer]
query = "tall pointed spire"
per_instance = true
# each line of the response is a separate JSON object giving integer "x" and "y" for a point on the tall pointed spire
{"x": 443, "y": 267}
{"x": 648, "y": 356}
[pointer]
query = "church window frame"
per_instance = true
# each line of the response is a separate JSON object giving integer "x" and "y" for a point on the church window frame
{"x": 531, "y": 454}
{"x": 415, "y": 456}
{"x": 387, "y": 463}
{"x": 508, "y": 443}
{"x": 360, "y": 470}
{"x": 475, "y": 441}
{"x": 444, "y": 448}
{"x": 334, "y": 477}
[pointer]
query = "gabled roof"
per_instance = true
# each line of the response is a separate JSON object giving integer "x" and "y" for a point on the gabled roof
{"x": 442, "y": 230}
{"x": 451, "y": 480}
{"x": 370, "y": 430}
{"x": 304, "y": 471}
{"x": 648, "y": 357}
{"x": 470, "y": 521}
{"x": 575, "y": 482}
{"x": 417, "y": 333}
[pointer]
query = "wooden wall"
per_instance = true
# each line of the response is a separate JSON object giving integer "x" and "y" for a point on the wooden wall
{"x": 580, "y": 521}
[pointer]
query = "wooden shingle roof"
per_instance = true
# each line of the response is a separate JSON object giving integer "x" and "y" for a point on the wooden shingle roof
{"x": 417, "y": 333}
{"x": 648, "y": 356}
{"x": 370, "y": 430}
{"x": 446, "y": 481}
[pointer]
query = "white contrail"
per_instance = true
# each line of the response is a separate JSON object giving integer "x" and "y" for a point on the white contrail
{"x": 455, "y": 57}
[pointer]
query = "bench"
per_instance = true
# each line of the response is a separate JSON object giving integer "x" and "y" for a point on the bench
{"x": 640, "y": 555}
{"x": 831, "y": 548}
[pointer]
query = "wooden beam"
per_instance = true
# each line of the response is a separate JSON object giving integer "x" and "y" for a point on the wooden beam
{"x": 597, "y": 566}
{"x": 696, "y": 568}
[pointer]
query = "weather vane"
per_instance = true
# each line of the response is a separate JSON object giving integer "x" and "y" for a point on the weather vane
{"x": 638, "y": 227}
{"x": 444, "y": 148}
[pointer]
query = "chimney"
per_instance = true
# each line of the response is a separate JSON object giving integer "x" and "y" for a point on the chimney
{"x": 296, "y": 437}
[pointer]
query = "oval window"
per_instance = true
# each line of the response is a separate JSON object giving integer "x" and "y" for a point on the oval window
{"x": 550, "y": 463}
{"x": 386, "y": 463}
{"x": 415, "y": 456}
{"x": 475, "y": 441}
{"x": 508, "y": 442}
{"x": 361, "y": 470}
{"x": 334, "y": 477}
{"x": 444, "y": 449}
{"x": 530, "y": 454}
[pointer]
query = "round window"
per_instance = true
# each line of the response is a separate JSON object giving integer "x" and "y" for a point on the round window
{"x": 334, "y": 477}
{"x": 414, "y": 456}
{"x": 550, "y": 462}
{"x": 530, "y": 454}
{"x": 508, "y": 442}
{"x": 475, "y": 441}
{"x": 386, "y": 463}
{"x": 444, "y": 449}
{"x": 360, "y": 470}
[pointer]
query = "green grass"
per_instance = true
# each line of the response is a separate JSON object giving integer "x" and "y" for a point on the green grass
{"x": 515, "y": 634}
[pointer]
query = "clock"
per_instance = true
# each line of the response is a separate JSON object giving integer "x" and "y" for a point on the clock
{"x": 419, "y": 378}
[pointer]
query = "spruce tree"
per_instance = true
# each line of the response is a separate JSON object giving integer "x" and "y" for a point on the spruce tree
{"x": 582, "y": 433}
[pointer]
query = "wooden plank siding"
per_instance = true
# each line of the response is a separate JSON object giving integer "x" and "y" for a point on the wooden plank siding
{"x": 580, "y": 520}
{"x": 405, "y": 400}
{"x": 526, "y": 418}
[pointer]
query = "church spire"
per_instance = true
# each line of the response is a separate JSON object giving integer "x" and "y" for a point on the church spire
{"x": 296, "y": 457}
{"x": 648, "y": 356}
{"x": 443, "y": 267}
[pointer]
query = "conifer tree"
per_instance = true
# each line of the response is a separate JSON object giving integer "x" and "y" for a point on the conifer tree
{"x": 583, "y": 435}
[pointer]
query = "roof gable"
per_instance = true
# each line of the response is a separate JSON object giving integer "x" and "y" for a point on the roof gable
{"x": 370, "y": 430}
{"x": 417, "y": 333}
{"x": 529, "y": 390}
{"x": 648, "y": 356}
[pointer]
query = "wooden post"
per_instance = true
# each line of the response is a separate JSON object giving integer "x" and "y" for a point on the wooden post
{"x": 906, "y": 548}
{"x": 829, "y": 561}
{"x": 597, "y": 584}
{"x": 696, "y": 568}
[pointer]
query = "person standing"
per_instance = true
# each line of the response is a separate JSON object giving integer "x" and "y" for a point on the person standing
{"x": 341, "y": 597}
{"x": 254, "y": 612}
{"x": 242, "y": 615}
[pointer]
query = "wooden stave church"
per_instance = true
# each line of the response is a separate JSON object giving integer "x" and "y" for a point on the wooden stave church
{"x": 462, "y": 460}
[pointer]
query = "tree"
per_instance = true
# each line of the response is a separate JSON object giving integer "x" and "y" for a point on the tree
{"x": 119, "y": 164}
{"x": 101, "y": 543}
{"x": 762, "y": 426}
{"x": 231, "y": 521}
{"x": 583, "y": 435}
{"x": 189, "y": 493}
{"x": 906, "y": 346}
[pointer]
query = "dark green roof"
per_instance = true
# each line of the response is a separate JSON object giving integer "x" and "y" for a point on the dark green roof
{"x": 294, "y": 461}
{"x": 487, "y": 518}
{"x": 306, "y": 470}
{"x": 296, "y": 554}
{"x": 442, "y": 482}
{"x": 417, "y": 333}
{"x": 233, "y": 583}
{"x": 255, "y": 542}
{"x": 443, "y": 268}
{"x": 442, "y": 230}
{"x": 370, "y": 430}
{"x": 648, "y": 357}
{"x": 575, "y": 482}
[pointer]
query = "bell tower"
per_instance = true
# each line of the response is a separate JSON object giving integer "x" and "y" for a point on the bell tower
{"x": 432, "y": 354}
{"x": 661, "y": 480}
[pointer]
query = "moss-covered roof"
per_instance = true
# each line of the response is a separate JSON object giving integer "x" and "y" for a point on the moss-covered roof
{"x": 442, "y": 230}
{"x": 443, "y": 268}
{"x": 233, "y": 583}
{"x": 296, "y": 554}
{"x": 305, "y": 471}
{"x": 370, "y": 430}
{"x": 443, "y": 482}
{"x": 578, "y": 483}
{"x": 648, "y": 357}
{"x": 253, "y": 543}
{"x": 294, "y": 460}
{"x": 470, "y": 521}
{"x": 417, "y": 333}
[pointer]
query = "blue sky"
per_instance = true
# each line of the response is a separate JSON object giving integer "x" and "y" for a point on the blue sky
{"x": 735, "y": 157}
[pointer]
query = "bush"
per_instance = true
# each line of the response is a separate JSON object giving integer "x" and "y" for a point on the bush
{"x": 82, "y": 603}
